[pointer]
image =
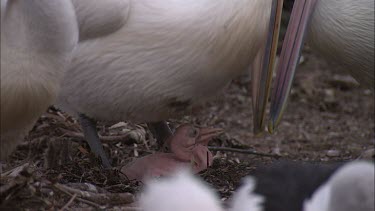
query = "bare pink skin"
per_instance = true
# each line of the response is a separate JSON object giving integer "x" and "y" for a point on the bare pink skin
{"x": 186, "y": 148}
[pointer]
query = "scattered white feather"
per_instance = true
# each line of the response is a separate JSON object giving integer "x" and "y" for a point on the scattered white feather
{"x": 181, "y": 192}
{"x": 244, "y": 199}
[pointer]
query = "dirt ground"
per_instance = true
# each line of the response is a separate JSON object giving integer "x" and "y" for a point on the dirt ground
{"x": 329, "y": 118}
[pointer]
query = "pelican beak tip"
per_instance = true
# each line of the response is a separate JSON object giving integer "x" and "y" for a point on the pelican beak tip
{"x": 264, "y": 66}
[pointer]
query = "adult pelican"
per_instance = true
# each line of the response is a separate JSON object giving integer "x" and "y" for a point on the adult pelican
{"x": 160, "y": 59}
{"x": 37, "y": 39}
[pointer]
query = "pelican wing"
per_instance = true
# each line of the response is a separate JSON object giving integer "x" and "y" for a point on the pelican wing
{"x": 98, "y": 18}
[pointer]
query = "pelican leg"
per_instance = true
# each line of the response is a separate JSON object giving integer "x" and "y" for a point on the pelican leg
{"x": 161, "y": 131}
{"x": 91, "y": 135}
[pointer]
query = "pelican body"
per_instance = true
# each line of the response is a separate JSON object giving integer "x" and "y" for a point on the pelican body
{"x": 37, "y": 39}
{"x": 167, "y": 57}
{"x": 343, "y": 31}
{"x": 147, "y": 60}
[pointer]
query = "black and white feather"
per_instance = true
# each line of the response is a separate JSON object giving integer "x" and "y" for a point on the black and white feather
{"x": 285, "y": 186}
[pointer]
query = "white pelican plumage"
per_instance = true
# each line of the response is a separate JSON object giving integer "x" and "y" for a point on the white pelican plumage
{"x": 37, "y": 39}
{"x": 160, "y": 58}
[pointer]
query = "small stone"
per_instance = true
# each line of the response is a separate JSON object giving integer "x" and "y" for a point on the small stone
{"x": 329, "y": 96}
{"x": 344, "y": 81}
{"x": 237, "y": 160}
{"x": 301, "y": 60}
{"x": 367, "y": 92}
{"x": 333, "y": 153}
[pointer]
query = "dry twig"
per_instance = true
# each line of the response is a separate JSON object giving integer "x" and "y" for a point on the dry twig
{"x": 78, "y": 198}
{"x": 69, "y": 202}
{"x": 243, "y": 151}
{"x": 123, "y": 138}
{"x": 107, "y": 198}
{"x": 16, "y": 170}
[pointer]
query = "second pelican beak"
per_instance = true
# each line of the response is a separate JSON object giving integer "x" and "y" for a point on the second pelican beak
{"x": 263, "y": 68}
{"x": 289, "y": 57}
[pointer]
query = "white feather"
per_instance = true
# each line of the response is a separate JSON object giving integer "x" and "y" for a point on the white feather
{"x": 182, "y": 192}
{"x": 244, "y": 199}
